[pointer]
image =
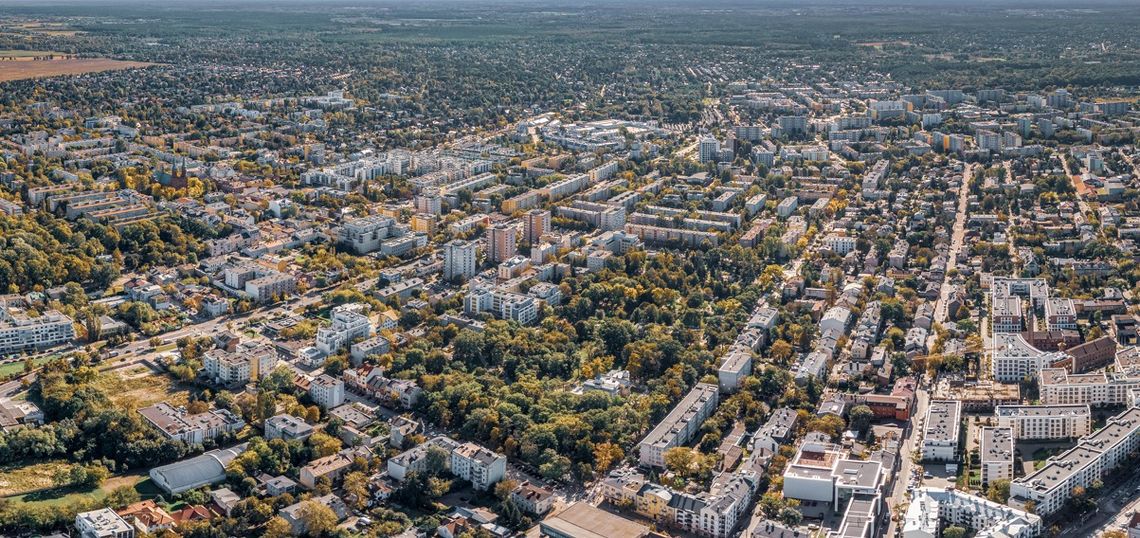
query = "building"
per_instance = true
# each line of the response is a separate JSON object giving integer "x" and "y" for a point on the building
{"x": 940, "y": 435}
{"x": 501, "y": 243}
{"x": 1058, "y": 387}
{"x": 459, "y": 260}
{"x": 680, "y": 425}
{"x": 104, "y": 523}
{"x": 364, "y": 235}
{"x": 537, "y": 223}
{"x": 582, "y": 520}
{"x": 331, "y": 467}
{"x": 248, "y": 362}
{"x": 1048, "y": 489}
{"x": 195, "y": 472}
{"x": 287, "y": 427}
{"x": 272, "y": 286}
{"x": 22, "y": 332}
{"x": 996, "y": 454}
{"x": 931, "y": 510}
{"x": 193, "y": 429}
{"x": 1060, "y": 314}
{"x": 147, "y": 517}
{"x": 1045, "y": 422}
{"x": 709, "y": 149}
{"x": 821, "y": 473}
{"x": 349, "y": 323}
{"x": 533, "y": 499}
{"x": 478, "y": 465}
{"x": 327, "y": 391}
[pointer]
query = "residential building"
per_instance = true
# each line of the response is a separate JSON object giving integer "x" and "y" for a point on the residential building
{"x": 327, "y": 391}
{"x": 102, "y": 523}
{"x": 1048, "y": 488}
{"x": 478, "y": 465}
{"x": 249, "y": 362}
{"x": 931, "y": 510}
{"x": 287, "y": 427}
{"x": 1045, "y": 422}
{"x": 332, "y": 467}
{"x": 22, "y": 332}
{"x": 537, "y": 223}
{"x": 459, "y": 260}
{"x": 680, "y": 425}
{"x": 193, "y": 429}
{"x": 941, "y": 432}
{"x": 349, "y": 323}
{"x": 532, "y": 499}
{"x": 996, "y": 454}
{"x": 501, "y": 243}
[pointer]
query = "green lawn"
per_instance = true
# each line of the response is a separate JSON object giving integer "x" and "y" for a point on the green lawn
{"x": 18, "y": 366}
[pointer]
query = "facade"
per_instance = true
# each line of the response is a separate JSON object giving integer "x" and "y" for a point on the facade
{"x": 349, "y": 323}
{"x": 1045, "y": 422}
{"x": 21, "y": 332}
{"x": 327, "y": 391}
{"x": 1095, "y": 389}
{"x": 680, "y": 425}
{"x": 459, "y": 260}
{"x": 248, "y": 362}
{"x": 501, "y": 243}
{"x": 478, "y": 465}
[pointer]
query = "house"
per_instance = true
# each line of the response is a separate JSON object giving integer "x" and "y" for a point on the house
{"x": 533, "y": 499}
{"x": 147, "y": 517}
{"x": 332, "y": 467}
{"x": 293, "y": 513}
{"x": 225, "y": 500}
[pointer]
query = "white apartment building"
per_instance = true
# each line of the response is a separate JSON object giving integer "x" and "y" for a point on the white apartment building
{"x": 21, "y": 332}
{"x": 1014, "y": 358}
{"x": 193, "y": 429}
{"x": 478, "y": 465}
{"x": 709, "y": 149}
{"x": 839, "y": 244}
{"x": 349, "y": 322}
{"x": 931, "y": 510}
{"x": 459, "y": 259}
{"x": 940, "y": 435}
{"x": 327, "y": 391}
{"x": 1095, "y": 455}
{"x": 1058, "y": 387}
{"x": 1045, "y": 422}
{"x": 996, "y": 453}
{"x": 364, "y": 235}
{"x": 248, "y": 362}
{"x": 1060, "y": 314}
{"x": 680, "y": 425}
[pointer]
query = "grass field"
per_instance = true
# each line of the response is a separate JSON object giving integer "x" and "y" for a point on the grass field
{"x": 25, "y": 69}
{"x": 15, "y": 53}
{"x": 18, "y": 366}
{"x": 16, "y": 479}
{"x": 135, "y": 392}
{"x": 49, "y": 496}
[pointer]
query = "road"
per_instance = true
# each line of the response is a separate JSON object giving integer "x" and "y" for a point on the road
{"x": 957, "y": 239}
{"x": 907, "y": 449}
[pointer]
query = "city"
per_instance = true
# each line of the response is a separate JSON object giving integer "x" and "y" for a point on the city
{"x": 471, "y": 270}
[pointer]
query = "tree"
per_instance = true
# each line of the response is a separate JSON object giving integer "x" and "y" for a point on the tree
{"x": 120, "y": 497}
{"x": 679, "y": 460}
{"x": 859, "y": 419}
{"x": 781, "y": 352}
{"x": 317, "y": 518}
{"x": 504, "y": 488}
{"x": 790, "y": 516}
{"x": 324, "y": 444}
{"x": 954, "y": 531}
{"x": 356, "y": 489}
{"x": 998, "y": 491}
{"x": 277, "y": 527}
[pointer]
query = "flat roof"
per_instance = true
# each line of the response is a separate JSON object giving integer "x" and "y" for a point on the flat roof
{"x": 582, "y": 520}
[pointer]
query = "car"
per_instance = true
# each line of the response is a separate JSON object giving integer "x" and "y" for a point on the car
{"x": 927, "y": 476}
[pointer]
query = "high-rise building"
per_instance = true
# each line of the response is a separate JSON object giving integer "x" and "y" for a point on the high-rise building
{"x": 500, "y": 243}
{"x": 458, "y": 259}
{"x": 709, "y": 149}
{"x": 537, "y": 223}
